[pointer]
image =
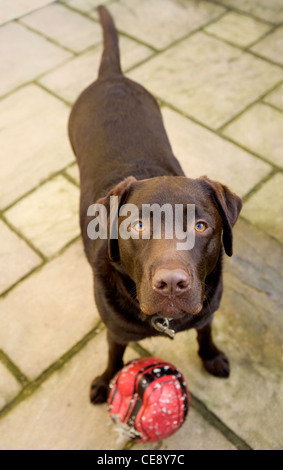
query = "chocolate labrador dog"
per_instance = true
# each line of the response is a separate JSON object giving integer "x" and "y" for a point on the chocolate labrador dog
{"x": 145, "y": 286}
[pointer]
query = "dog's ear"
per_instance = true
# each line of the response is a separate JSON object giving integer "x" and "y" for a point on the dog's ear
{"x": 228, "y": 205}
{"x": 122, "y": 191}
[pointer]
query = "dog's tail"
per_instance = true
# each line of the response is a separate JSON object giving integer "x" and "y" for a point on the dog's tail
{"x": 110, "y": 61}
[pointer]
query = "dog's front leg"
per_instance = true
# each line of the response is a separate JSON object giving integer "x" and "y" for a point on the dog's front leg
{"x": 214, "y": 360}
{"x": 100, "y": 385}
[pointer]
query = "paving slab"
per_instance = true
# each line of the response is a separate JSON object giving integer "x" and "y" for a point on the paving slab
{"x": 34, "y": 133}
{"x": 46, "y": 314}
{"x": 161, "y": 22}
{"x": 275, "y": 97}
{"x": 260, "y": 129}
{"x": 265, "y": 207}
{"x": 59, "y": 416}
{"x": 9, "y": 386}
{"x": 270, "y": 10}
{"x": 238, "y": 29}
{"x": 248, "y": 327}
{"x": 195, "y": 434}
{"x": 179, "y": 76}
{"x": 25, "y": 56}
{"x": 49, "y": 216}
{"x": 73, "y": 172}
{"x": 66, "y": 27}
{"x": 16, "y": 258}
{"x": 271, "y": 47}
{"x": 202, "y": 152}
{"x": 85, "y": 5}
{"x": 11, "y": 10}
{"x": 69, "y": 80}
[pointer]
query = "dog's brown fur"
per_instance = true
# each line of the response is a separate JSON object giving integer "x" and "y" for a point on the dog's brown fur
{"x": 122, "y": 149}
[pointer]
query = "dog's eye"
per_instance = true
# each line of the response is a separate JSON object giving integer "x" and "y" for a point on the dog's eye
{"x": 200, "y": 226}
{"x": 138, "y": 226}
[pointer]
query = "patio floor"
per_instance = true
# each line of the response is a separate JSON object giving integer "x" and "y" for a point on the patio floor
{"x": 216, "y": 68}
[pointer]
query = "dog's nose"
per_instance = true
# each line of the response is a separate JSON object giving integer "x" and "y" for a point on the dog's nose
{"x": 171, "y": 281}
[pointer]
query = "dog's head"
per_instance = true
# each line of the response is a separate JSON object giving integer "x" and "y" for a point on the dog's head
{"x": 169, "y": 277}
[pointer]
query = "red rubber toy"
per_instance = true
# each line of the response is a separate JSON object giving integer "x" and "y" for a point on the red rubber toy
{"x": 148, "y": 399}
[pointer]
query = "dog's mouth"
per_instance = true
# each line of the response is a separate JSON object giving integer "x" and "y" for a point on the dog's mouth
{"x": 171, "y": 308}
{"x": 161, "y": 320}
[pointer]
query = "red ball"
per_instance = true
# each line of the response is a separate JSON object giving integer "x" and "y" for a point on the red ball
{"x": 149, "y": 399}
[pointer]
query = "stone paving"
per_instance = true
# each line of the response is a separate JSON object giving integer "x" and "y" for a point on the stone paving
{"x": 216, "y": 69}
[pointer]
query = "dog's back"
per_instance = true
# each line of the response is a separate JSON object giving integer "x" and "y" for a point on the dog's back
{"x": 116, "y": 128}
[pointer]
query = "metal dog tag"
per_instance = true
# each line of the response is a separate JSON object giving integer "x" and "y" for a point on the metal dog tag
{"x": 162, "y": 325}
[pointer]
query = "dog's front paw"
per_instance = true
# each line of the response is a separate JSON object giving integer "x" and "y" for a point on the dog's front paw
{"x": 218, "y": 366}
{"x": 99, "y": 390}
